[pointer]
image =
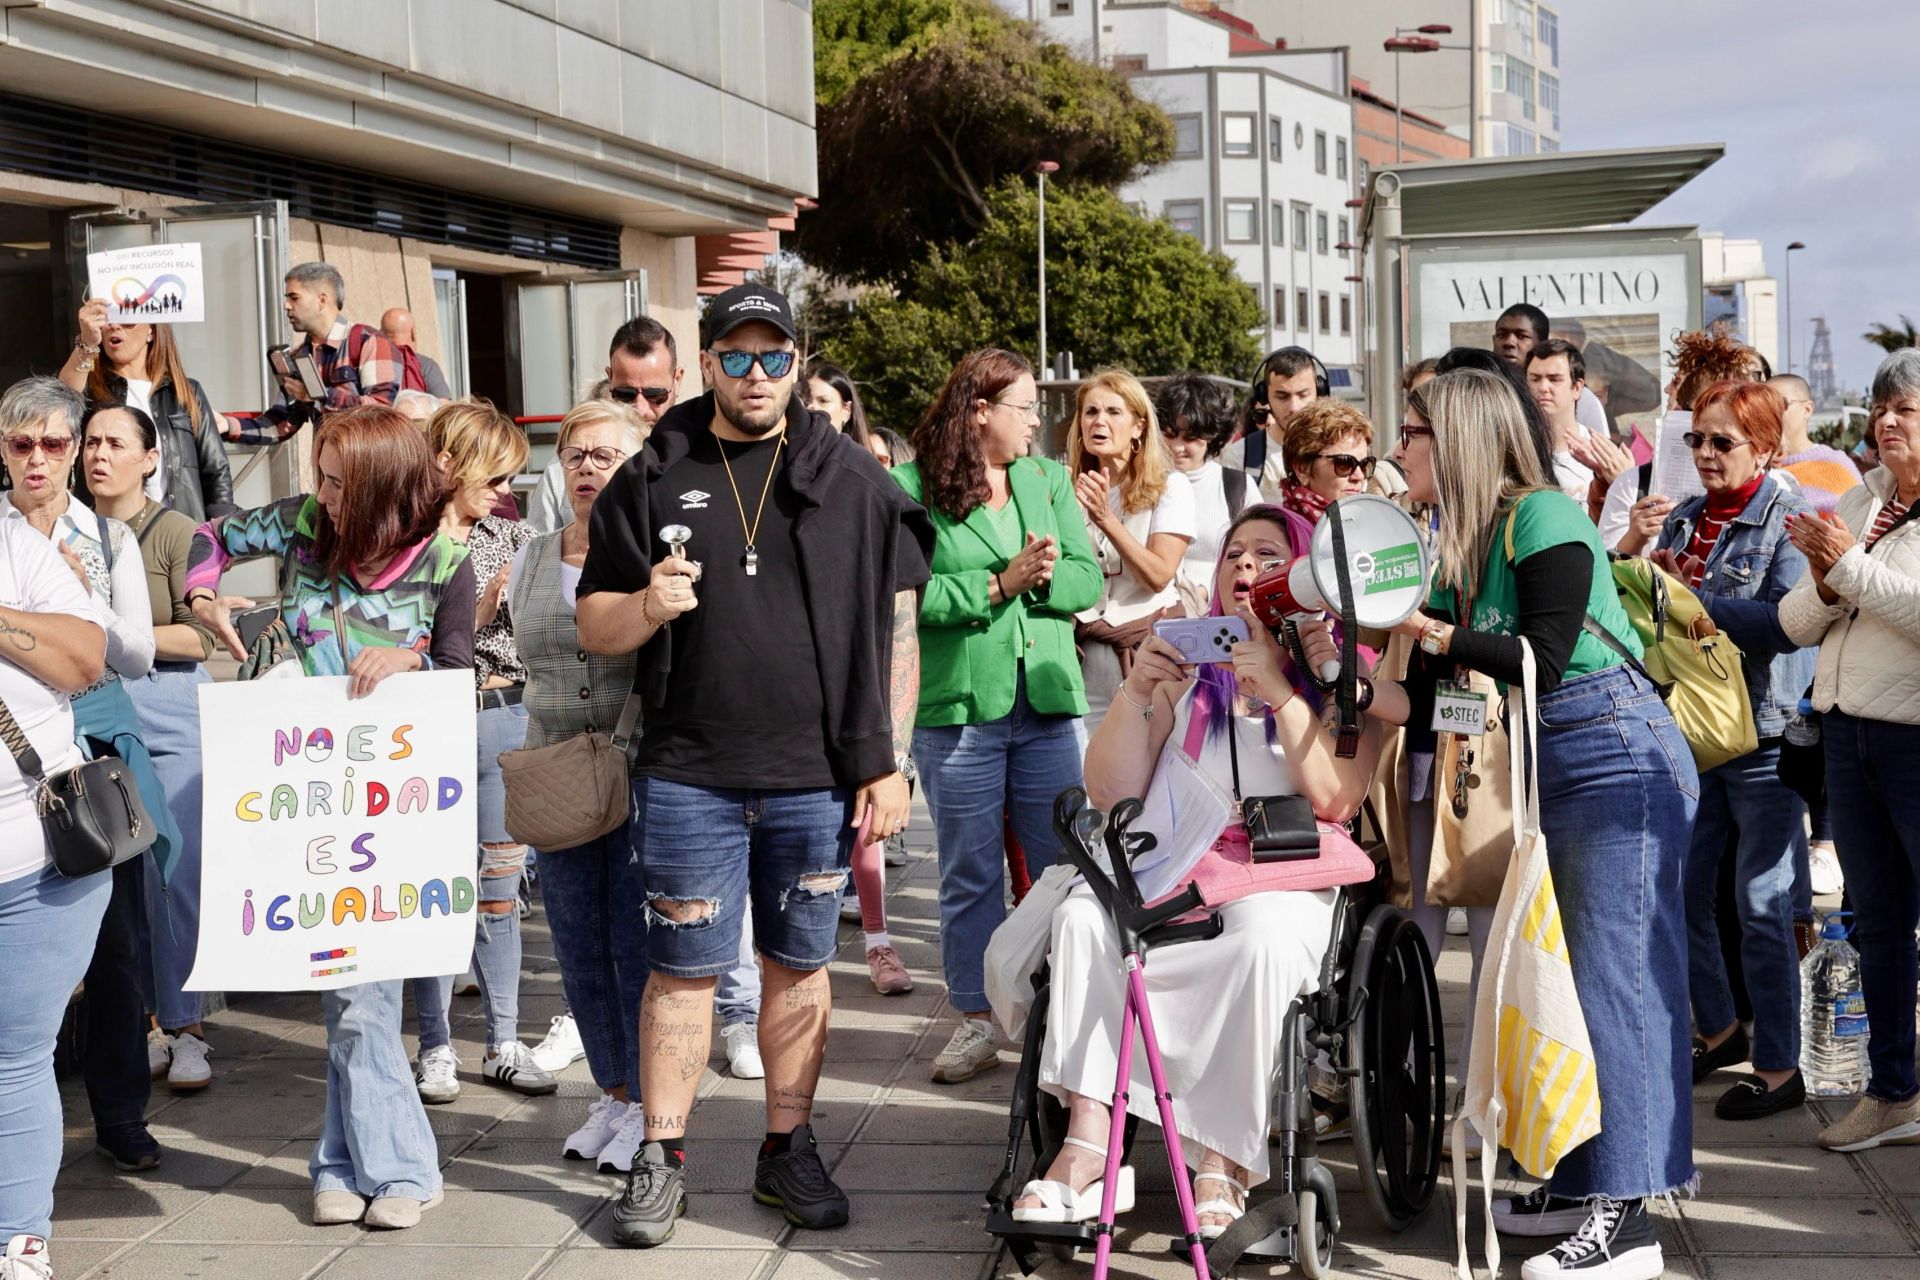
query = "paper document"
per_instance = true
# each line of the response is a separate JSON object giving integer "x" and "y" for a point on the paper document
{"x": 1674, "y": 475}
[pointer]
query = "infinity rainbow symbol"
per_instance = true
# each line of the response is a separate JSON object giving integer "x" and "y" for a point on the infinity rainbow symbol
{"x": 126, "y": 299}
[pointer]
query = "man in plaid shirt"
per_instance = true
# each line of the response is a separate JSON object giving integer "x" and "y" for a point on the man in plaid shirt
{"x": 357, "y": 364}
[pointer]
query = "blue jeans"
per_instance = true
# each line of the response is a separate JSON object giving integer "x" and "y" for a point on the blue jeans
{"x": 497, "y": 950}
{"x": 596, "y": 909}
{"x": 1747, "y": 796}
{"x": 1618, "y": 794}
{"x": 973, "y": 774}
{"x": 168, "y": 703}
{"x": 736, "y": 997}
{"x": 1873, "y": 796}
{"x": 375, "y": 1140}
{"x": 785, "y": 852}
{"x": 47, "y": 927}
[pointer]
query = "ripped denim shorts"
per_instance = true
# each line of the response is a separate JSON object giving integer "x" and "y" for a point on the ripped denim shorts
{"x": 706, "y": 852}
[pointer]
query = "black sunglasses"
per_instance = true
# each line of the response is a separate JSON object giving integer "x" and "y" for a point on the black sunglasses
{"x": 1719, "y": 444}
{"x": 735, "y": 364}
{"x": 654, "y": 395}
{"x": 1262, "y": 411}
{"x": 1413, "y": 430}
{"x": 1344, "y": 464}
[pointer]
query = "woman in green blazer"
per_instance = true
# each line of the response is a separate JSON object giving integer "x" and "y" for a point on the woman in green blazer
{"x": 998, "y": 730}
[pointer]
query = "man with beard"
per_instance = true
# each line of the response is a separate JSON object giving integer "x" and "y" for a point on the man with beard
{"x": 764, "y": 567}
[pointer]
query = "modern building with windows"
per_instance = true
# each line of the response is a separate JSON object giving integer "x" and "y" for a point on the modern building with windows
{"x": 1494, "y": 81}
{"x": 522, "y": 175}
{"x": 1264, "y": 161}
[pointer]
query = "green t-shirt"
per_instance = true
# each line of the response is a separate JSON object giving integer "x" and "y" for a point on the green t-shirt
{"x": 1546, "y": 518}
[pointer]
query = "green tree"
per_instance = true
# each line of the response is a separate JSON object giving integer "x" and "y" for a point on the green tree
{"x": 1889, "y": 338}
{"x": 924, "y": 105}
{"x": 1121, "y": 289}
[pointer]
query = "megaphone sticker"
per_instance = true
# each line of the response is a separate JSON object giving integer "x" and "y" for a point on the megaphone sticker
{"x": 1389, "y": 569}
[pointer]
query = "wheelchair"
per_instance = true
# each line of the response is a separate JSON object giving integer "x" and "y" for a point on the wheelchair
{"x": 1374, "y": 1016}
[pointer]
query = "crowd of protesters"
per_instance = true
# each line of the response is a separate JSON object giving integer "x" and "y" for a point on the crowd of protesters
{"x": 864, "y": 606}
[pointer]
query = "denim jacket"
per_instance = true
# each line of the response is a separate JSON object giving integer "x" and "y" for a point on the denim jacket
{"x": 1750, "y": 568}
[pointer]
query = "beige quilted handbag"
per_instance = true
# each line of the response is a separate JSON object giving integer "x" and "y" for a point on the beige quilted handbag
{"x": 562, "y": 795}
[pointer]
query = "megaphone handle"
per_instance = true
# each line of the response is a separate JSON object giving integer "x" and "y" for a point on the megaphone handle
{"x": 1346, "y": 698}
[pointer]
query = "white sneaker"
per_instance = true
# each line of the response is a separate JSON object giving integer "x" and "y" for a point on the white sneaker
{"x": 617, "y": 1156}
{"x": 591, "y": 1138}
{"x": 159, "y": 1053}
{"x": 189, "y": 1069}
{"x": 896, "y": 850}
{"x": 850, "y": 907}
{"x": 742, "y": 1043}
{"x": 970, "y": 1052}
{"x": 26, "y": 1258}
{"x": 562, "y": 1047}
{"x": 436, "y": 1075}
{"x": 1823, "y": 869}
{"x": 1456, "y": 922}
{"x": 512, "y": 1067}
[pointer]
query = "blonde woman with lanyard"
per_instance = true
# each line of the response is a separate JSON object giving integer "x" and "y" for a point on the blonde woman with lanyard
{"x": 1140, "y": 526}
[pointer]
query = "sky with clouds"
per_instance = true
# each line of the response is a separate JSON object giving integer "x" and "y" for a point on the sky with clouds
{"x": 1816, "y": 104}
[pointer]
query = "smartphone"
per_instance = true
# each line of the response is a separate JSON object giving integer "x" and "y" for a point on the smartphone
{"x": 309, "y": 373}
{"x": 251, "y": 622}
{"x": 1203, "y": 639}
{"x": 280, "y": 362}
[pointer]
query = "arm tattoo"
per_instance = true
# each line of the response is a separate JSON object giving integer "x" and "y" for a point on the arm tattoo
{"x": 23, "y": 640}
{"x": 904, "y": 694}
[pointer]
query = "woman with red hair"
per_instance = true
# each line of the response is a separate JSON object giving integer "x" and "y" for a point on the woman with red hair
{"x": 1731, "y": 546}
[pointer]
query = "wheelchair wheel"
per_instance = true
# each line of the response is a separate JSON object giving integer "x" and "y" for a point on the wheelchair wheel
{"x": 1313, "y": 1238}
{"x": 1399, "y": 1049}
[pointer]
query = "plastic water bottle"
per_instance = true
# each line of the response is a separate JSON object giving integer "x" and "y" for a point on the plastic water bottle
{"x": 1804, "y": 729}
{"x": 1833, "y": 1016}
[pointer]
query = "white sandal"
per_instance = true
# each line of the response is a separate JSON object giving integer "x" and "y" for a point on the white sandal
{"x": 1228, "y": 1207}
{"x": 1059, "y": 1202}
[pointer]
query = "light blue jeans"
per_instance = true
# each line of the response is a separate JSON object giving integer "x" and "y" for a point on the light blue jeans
{"x": 375, "y": 1140}
{"x": 974, "y": 774}
{"x": 167, "y": 701}
{"x": 497, "y": 950}
{"x": 1747, "y": 796}
{"x": 48, "y": 924}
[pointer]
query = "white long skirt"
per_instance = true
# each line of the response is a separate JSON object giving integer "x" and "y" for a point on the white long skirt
{"x": 1217, "y": 1007}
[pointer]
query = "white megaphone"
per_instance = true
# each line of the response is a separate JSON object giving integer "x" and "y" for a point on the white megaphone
{"x": 1387, "y": 563}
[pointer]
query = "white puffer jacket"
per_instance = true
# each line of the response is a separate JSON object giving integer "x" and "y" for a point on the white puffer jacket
{"x": 1870, "y": 641}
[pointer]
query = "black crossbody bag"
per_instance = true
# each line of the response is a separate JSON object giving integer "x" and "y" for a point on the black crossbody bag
{"x": 92, "y": 813}
{"x": 1279, "y": 828}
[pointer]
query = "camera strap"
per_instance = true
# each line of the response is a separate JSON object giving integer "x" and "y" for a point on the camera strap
{"x": 1347, "y": 734}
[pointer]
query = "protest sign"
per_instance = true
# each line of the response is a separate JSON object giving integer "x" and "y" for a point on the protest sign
{"x": 150, "y": 283}
{"x": 1674, "y": 475}
{"x": 337, "y": 836}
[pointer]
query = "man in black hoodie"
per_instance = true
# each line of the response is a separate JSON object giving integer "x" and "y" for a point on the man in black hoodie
{"x": 764, "y": 567}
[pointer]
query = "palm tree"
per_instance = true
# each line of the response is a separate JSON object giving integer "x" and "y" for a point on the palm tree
{"x": 1889, "y": 338}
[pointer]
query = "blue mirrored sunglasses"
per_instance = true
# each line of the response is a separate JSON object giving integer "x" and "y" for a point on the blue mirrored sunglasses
{"x": 736, "y": 364}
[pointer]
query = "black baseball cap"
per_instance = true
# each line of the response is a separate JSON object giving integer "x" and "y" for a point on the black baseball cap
{"x": 746, "y": 302}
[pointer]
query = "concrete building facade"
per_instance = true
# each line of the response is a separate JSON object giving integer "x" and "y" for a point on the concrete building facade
{"x": 521, "y": 174}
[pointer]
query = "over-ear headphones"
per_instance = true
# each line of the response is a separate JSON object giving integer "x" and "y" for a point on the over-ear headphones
{"x": 1322, "y": 383}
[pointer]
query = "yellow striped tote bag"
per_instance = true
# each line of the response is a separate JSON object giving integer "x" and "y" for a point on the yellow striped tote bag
{"x": 1532, "y": 1087}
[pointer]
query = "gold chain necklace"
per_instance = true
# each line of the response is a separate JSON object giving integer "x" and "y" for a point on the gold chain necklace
{"x": 752, "y": 558}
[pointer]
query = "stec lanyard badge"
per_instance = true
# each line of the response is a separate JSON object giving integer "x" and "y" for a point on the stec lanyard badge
{"x": 1458, "y": 708}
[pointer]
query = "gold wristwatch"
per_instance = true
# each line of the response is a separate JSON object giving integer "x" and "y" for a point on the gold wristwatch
{"x": 1433, "y": 637}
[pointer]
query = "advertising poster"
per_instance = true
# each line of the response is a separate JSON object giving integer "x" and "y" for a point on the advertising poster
{"x": 150, "y": 283}
{"x": 1620, "y": 297}
{"x": 338, "y": 837}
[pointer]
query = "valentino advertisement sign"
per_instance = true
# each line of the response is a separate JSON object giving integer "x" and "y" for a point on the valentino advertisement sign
{"x": 1620, "y": 296}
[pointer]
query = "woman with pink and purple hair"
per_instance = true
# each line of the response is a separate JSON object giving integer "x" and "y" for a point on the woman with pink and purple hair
{"x": 1191, "y": 740}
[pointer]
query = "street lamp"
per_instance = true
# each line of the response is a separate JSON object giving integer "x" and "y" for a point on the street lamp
{"x": 1789, "y": 326}
{"x": 1045, "y": 167}
{"x": 1419, "y": 41}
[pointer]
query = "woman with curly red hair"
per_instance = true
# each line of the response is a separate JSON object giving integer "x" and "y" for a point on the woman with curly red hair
{"x": 1000, "y": 689}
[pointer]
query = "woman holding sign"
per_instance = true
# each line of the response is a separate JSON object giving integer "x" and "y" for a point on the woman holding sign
{"x": 372, "y": 588}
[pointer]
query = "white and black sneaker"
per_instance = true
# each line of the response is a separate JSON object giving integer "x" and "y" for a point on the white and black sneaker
{"x": 1538, "y": 1214}
{"x": 511, "y": 1066}
{"x": 1616, "y": 1242}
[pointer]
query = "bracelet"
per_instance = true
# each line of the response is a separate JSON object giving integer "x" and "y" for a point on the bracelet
{"x": 1364, "y": 685}
{"x": 200, "y": 593}
{"x": 1144, "y": 708}
{"x": 82, "y": 347}
{"x": 1004, "y": 597}
{"x": 646, "y": 595}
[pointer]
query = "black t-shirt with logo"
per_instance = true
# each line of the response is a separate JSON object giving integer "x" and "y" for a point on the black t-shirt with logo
{"x": 743, "y": 705}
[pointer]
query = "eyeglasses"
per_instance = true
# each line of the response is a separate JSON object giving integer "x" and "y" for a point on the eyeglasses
{"x": 53, "y": 446}
{"x": 1413, "y": 431}
{"x": 1719, "y": 444}
{"x": 736, "y": 364}
{"x": 606, "y": 457}
{"x": 1344, "y": 464}
{"x": 1031, "y": 409}
{"x": 654, "y": 395}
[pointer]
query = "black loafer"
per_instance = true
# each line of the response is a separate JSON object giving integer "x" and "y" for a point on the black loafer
{"x": 1752, "y": 1100}
{"x": 1730, "y": 1052}
{"x": 130, "y": 1147}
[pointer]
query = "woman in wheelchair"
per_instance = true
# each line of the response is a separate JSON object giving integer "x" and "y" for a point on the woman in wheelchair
{"x": 1187, "y": 738}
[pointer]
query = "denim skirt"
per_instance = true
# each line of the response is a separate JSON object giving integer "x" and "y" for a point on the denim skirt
{"x": 1618, "y": 793}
